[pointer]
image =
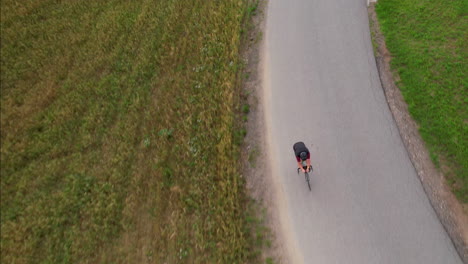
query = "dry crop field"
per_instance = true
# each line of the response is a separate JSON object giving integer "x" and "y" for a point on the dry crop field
{"x": 119, "y": 136}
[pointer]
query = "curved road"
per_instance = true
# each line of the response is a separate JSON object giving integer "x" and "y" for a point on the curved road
{"x": 367, "y": 204}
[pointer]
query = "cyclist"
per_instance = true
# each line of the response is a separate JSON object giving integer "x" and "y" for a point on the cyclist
{"x": 302, "y": 154}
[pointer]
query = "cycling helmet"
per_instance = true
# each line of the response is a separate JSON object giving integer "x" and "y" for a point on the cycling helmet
{"x": 303, "y": 155}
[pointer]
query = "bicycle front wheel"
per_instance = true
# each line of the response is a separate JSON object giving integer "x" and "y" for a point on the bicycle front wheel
{"x": 308, "y": 180}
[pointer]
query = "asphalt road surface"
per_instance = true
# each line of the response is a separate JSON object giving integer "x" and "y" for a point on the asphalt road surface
{"x": 367, "y": 204}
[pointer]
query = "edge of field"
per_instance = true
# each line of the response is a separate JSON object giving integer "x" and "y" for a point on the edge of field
{"x": 258, "y": 168}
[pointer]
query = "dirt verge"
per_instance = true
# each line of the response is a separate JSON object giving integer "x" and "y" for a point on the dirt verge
{"x": 449, "y": 210}
{"x": 261, "y": 184}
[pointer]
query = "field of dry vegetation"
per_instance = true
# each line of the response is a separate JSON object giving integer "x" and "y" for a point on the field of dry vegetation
{"x": 119, "y": 136}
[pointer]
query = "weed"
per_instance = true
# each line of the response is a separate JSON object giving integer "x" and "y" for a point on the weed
{"x": 245, "y": 108}
{"x": 239, "y": 136}
{"x": 146, "y": 142}
{"x": 165, "y": 133}
{"x": 252, "y": 9}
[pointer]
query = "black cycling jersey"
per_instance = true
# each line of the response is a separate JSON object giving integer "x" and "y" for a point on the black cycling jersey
{"x": 300, "y": 147}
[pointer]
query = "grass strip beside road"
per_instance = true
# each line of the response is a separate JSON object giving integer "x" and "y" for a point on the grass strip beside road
{"x": 118, "y": 132}
{"x": 427, "y": 40}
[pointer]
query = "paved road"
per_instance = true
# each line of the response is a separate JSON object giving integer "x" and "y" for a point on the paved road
{"x": 367, "y": 204}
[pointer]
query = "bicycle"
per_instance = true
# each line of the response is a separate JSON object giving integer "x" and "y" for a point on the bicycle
{"x": 304, "y": 166}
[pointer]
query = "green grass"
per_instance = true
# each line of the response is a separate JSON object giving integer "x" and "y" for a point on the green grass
{"x": 119, "y": 137}
{"x": 427, "y": 40}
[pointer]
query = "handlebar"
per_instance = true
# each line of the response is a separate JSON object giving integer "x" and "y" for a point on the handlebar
{"x": 305, "y": 168}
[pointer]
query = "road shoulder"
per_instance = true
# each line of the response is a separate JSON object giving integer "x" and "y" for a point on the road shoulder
{"x": 262, "y": 185}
